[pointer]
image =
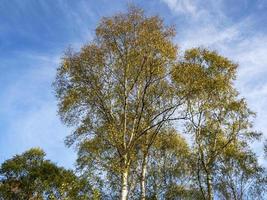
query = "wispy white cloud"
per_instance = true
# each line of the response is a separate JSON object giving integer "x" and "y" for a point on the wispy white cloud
{"x": 208, "y": 36}
{"x": 183, "y": 6}
{"x": 196, "y": 9}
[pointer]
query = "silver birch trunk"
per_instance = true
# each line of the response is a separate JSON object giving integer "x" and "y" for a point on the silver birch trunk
{"x": 210, "y": 189}
{"x": 143, "y": 177}
{"x": 124, "y": 184}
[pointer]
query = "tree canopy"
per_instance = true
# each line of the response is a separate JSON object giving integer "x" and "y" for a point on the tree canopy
{"x": 31, "y": 176}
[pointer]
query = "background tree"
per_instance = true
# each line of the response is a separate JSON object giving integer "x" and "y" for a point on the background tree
{"x": 30, "y": 176}
{"x": 216, "y": 116}
{"x": 239, "y": 175}
{"x": 117, "y": 87}
{"x": 169, "y": 169}
{"x": 97, "y": 161}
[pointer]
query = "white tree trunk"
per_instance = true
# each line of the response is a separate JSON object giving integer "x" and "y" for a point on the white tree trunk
{"x": 124, "y": 184}
{"x": 143, "y": 177}
{"x": 210, "y": 189}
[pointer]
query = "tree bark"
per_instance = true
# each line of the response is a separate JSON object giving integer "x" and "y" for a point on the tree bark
{"x": 209, "y": 187}
{"x": 143, "y": 177}
{"x": 124, "y": 184}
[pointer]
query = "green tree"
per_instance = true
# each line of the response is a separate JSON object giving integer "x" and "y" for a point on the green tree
{"x": 169, "y": 170}
{"x": 117, "y": 87}
{"x": 239, "y": 175}
{"x": 98, "y": 162}
{"x": 30, "y": 176}
{"x": 216, "y": 116}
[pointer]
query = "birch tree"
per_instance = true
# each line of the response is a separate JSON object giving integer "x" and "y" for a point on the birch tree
{"x": 31, "y": 176}
{"x": 239, "y": 175}
{"x": 217, "y": 117}
{"x": 117, "y": 86}
{"x": 169, "y": 170}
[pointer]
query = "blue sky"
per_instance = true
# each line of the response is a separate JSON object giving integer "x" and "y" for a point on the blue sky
{"x": 35, "y": 33}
